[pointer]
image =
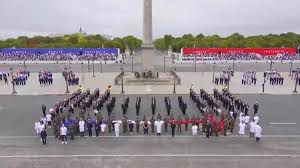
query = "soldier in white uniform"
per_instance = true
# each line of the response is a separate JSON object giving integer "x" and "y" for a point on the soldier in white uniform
{"x": 257, "y": 132}
{"x": 117, "y": 127}
{"x": 158, "y": 125}
{"x": 194, "y": 130}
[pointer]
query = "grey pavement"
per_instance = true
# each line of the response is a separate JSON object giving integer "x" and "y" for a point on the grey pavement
{"x": 152, "y": 152}
{"x": 279, "y": 148}
{"x": 18, "y": 113}
{"x": 102, "y": 80}
{"x": 158, "y": 66}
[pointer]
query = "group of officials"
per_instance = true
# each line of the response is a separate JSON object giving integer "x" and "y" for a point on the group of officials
{"x": 212, "y": 119}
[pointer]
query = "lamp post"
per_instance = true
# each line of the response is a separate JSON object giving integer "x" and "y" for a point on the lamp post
{"x": 69, "y": 64}
{"x": 174, "y": 84}
{"x": 88, "y": 65}
{"x": 214, "y": 67}
{"x": 195, "y": 67}
{"x": 82, "y": 76}
{"x": 164, "y": 63}
{"x": 93, "y": 66}
{"x": 101, "y": 65}
{"x": 233, "y": 66}
{"x": 12, "y": 82}
{"x": 264, "y": 84}
{"x": 291, "y": 67}
{"x": 122, "y": 72}
{"x": 67, "y": 86}
{"x": 132, "y": 63}
{"x": 297, "y": 71}
{"x": 271, "y": 64}
{"x": 24, "y": 64}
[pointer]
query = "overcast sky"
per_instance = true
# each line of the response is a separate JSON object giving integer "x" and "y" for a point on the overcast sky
{"x": 124, "y": 17}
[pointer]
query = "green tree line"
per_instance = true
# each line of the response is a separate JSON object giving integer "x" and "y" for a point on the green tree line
{"x": 235, "y": 40}
{"x": 72, "y": 41}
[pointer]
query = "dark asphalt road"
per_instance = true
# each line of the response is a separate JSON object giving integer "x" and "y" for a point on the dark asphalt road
{"x": 18, "y": 113}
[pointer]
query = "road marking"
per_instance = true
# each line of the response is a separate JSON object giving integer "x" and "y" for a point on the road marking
{"x": 154, "y": 136}
{"x": 282, "y": 123}
{"x": 151, "y": 155}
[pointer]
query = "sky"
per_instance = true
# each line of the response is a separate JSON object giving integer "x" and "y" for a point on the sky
{"x": 124, "y": 17}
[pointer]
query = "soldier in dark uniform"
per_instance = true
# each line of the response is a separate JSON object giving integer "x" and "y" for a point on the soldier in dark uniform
{"x": 97, "y": 126}
{"x": 173, "y": 126}
{"x": 231, "y": 124}
{"x": 255, "y": 107}
{"x": 186, "y": 122}
{"x": 152, "y": 121}
{"x": 138, "y": 105}
{"x": 208, "y": 128}
{"x": 184, "y": 106}
{"x": 179, "y": 121}
{"x": 109, "y": 124}
{"x": 90, "y": 126}
{"x": 44, "y": 109}
{"x": 125, "y": 124}
{"x": 168, "y": 106}
{"x": 153, "y": 105}
{"x": 72, "y": 129}
{"x": 166, "y": 122}
{"x": 137, "y": 125}
{"x": 225, "y": 122}
{"x": 124, "y": 109}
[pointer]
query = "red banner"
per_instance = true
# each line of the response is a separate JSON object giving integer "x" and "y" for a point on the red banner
{"x": 260, "y": 51}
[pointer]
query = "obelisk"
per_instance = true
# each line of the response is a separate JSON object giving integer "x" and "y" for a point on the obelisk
{"x": 147, "y": 25}
{"x": 147, "y": 48}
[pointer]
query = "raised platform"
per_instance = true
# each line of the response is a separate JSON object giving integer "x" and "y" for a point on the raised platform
{"x": 163, "y": 79}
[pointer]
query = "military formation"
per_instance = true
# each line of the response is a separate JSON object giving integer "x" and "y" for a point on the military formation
{"x": 71, "y": 116}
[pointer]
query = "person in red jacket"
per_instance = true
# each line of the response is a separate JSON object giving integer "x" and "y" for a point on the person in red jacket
{"x": 215, "y": 127}
{"x": 221, "y": 125}
{"x": 210, "y": 117}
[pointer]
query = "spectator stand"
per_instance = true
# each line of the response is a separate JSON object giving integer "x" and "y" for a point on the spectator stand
{"x": 210, "y": 55}
{"x": 55, "y": 55}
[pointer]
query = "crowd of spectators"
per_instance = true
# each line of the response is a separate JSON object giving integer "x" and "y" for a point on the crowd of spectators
{"x": 241, "y": 56}
{"x": 55, "y": 57}
{"x": 45, "y": 78}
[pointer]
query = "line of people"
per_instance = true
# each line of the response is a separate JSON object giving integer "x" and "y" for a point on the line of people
{"x": 45, "y": 78}
{"x": 3, "y": 76}
{"x": 274, "y": 77}
{"x": 20, "y": 77}
{"x": 249, "y": 77}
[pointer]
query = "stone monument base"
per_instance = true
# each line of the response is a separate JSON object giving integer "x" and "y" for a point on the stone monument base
{"x": 130, "y": 78}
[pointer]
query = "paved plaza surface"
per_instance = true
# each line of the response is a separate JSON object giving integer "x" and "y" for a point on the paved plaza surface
{"x": 102, "y": 80}
{"x": 279, "y": 113}
{"x": 279, "y": 147}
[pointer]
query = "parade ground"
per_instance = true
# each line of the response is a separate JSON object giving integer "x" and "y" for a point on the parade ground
{"x": 279, "y": 146}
